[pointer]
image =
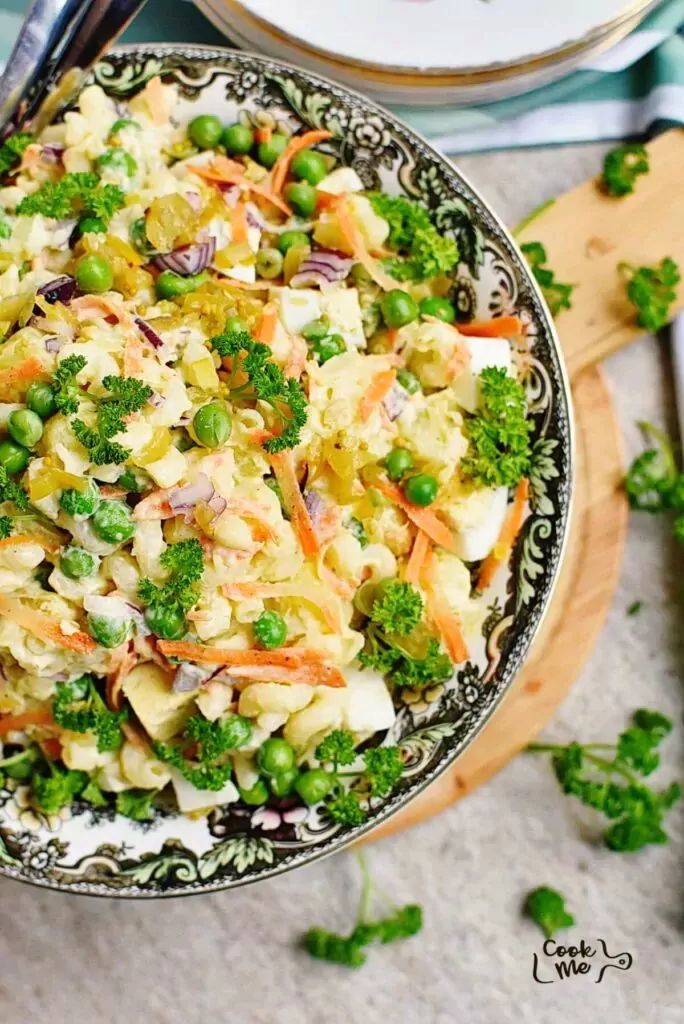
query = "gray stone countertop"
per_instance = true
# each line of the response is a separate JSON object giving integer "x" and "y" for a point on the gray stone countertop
{"x": 232, "y": 957}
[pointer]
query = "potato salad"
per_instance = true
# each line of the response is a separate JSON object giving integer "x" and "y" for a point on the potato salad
{"x": 255, "y": 474}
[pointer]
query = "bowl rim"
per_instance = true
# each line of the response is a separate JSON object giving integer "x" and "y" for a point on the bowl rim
{"x": 400, "y": 800}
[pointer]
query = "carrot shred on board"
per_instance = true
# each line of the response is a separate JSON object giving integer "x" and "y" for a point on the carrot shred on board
{"x": 497, "y": 327}
{"x": 507, "y": 537}
{"x": 228, "y": 172}
{"x": 379, "y": 386}
{"x": 238, "y": 224}
{"x": 447, "y": 622}
{"x": 29, "y": 369}
{"x": 296, "y": 144}
{"x": 16, "y": 723}
{"x": 266, "y": 330}
{"x": 358, "y": 247}
{"x": 424, "y": 518}
{"x": 25, "y": 538}
{"x": 284, "y": 469}
{"x": 417, "y": 558}
{"x": 44, "y": 626}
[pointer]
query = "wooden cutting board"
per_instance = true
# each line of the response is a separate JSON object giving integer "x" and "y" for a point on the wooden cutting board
{"x": 586, "y": 234}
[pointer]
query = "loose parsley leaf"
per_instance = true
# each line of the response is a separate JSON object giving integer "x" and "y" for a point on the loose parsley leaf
{"x": 50, "y": 793}
{"x": 6, "y": 526}
{"x": 652, "y": 290}
{"x": 92, "y": 794}
{"x": 256, "y": 378}
{"x": 424, "y": 252}
{"x": 607, "y": 778}
{"x": 338, "y": 747}
{"x": 135, "y": 803}
{"x": 78, "y": 706}
{"x": 635, "y": 607}
{"x": 184, "y": 562}
{"x": 384, "y": 768}
{"x": 499, "y": 433}
{"x": 79, "y": 193}
{"x": 128, "y": 396}
{"x": 213, "y": 740}
{"x": 557, "y": 295}
{"x": 67, "y": 392}
{"x": 653, "y": 482}
{"x": 622, "y": 167}
{"x": 398, "y": 608}
{"x": 345, "y": 809}
{"x": 12, "y": 491}
{"x": 12, "y": 151}
{"x": 546, "y": 907}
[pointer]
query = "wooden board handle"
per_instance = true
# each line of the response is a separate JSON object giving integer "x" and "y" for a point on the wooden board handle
{"x": 587, "y": 233}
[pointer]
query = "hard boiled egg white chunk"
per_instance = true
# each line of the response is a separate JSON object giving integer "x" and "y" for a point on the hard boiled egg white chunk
{"x": 369, "y": 707}
{"x": 190, "y": 800}
{"x": 483, "y": 352}
{"x": 478, "y": 520}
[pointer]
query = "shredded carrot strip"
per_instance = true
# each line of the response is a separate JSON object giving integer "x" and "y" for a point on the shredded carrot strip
{"x": 154, "y": 506}
{"x": 507, "y": 537}
{"x": 424, "y": 518}
{"x": 16, "y": 723}
{"x": 418, "y": 557}
{"x": 238, "y": 223}
{"x": 266, "y": 330}
{"x": 459, "y": 361}
{"x": 51, "y": 747}
{"x": 44, "y": 626}
{"x": 30, "y": 369}
{"x": 294, "y": 367}
{"x": 286, "y": 657}
{"x": 263, "y": 134}
{"x": 314, "y": 594}
{"x": 24, "y": 538}
{"x": 296, "y": 144}
{"x": 447, "y": 622}
{"x": 133, "y": 355}
{"x": 124, "y": 665}
{"x": 358, "y": 247}
{"x": 284, "y": 469}
{"x": 222, "y": 171}
{"x": 379, "y": 386}
{"x": 497, "y": 327}
{"x": 93, "y": 307}
{"x": 112, "y": 491}
{"x": 326, "y": 200}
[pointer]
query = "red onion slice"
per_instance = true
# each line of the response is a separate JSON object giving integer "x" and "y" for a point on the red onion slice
{"x": 324, "y": 266}
{"x": 184, "y": 499}
{"x": 51, "y": 152}
{"x": 61, "y": 289}
{"x": 190, "y": 677}
{"x": 194, "y": 200}
{"x": 218, "y": 504}
{"x": 395, "y": 400}
{"x": 54, "y": 344}
{"x": 315, "y": 506}
{"x": 149, "y": 333}
{"x": 188, "y": 259}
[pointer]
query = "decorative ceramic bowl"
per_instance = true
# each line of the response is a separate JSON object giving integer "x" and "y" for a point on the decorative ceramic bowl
{"x": 91, "y": 850}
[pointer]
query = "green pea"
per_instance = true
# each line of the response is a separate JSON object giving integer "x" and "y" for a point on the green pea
{"x": 134, "y": 481}
{"x": 302, "y": 197}
{"x": 108, "y": 632}
{"x": 313, "y": 786}
{"x": 237, "y": 139}
{"x": 170, "y": 285}
{"x": 205, "y": 131}
{"x": 421, "y": 489}
{"x": 269, "y": 263}
{"x": 398, "y": 462}
{"x": 408, "y": 381}
{"x": 167, "y": 621}
{"x": 256, "y": 795}
{"x": 117, "y": 160}
{"x": 212, "y": 425}
{"x": 122, "y": 124}
{"x": 276, "y": 756}
{"x": 26, "y": 427}
{"x": 80, "y": 505}
{"x": 270, "y": 630}
{"x": 310, "y": 166}
{"x": 441, "y": 308}
{"x": 77, "y": 563}
{"x": 112, "y": 522}
{"x": 331, "y": 346}
{"x": 237, "y": 731}
{"x": 40, "y": 399}
{"x": 316, "y": 330}
{"x": 290, "y": 238}
{"x": 268, "y": 152}
{"x": 91, "y": 226}
{"x": 94, "y": 274}
{"x": 14, "y": 458}
{"x": 235, "y": 323}
{"x": 398, "y": 308}
{"x": 283, "y": 783}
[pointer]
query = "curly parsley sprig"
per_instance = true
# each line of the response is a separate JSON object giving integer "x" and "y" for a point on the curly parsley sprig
{"x": 208, "y": 767}
{"x": 608, "y": 777}
{"x": 499, "y": 433}
{"x": 256, "y": 378}
{"x": 378, "y": 774}
{"x": 12, "y": 151}
{"x": 653, "y": 482}
{"x": 79, "y": 192}
{"x": 423, "y": 252}
{"x": 79, "y": 707}
{"x": 168, "y": 603}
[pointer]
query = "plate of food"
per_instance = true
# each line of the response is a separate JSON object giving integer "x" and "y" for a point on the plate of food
{"x": 473, "y": 51}
{"x": 285, "y": 474}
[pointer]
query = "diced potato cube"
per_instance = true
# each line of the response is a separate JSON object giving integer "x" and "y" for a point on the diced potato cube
{"x": 162, "y": 712}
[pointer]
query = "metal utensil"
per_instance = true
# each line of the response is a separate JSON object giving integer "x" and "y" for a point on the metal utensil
{"x": 57, "y": 45}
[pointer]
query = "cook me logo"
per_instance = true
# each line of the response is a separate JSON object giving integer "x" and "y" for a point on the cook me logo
{"x": 557, "y": 963}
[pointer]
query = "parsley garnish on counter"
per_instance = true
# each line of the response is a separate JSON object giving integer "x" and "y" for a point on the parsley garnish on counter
{"x": 77, "y": 193}
{"x": 653, "y": 483}
{"x": 546, "y": 907}
{"x": 608, "y": 777}
{"x": 79, "y": 707}
{"x": 652, "y": 290}
{"x": 168, "y": 603}
{"x": 264, "y": 382}
{"x": 622, "y": 167}
{"x": 557, "y": 295}
{"x": 423, "y": 251}
{"x": 12, "y": 151}
{"x": 499, "y": 433}
{"x": 349, "y": 950}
